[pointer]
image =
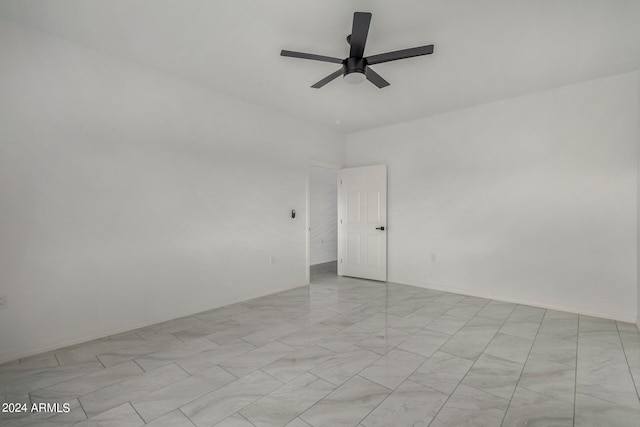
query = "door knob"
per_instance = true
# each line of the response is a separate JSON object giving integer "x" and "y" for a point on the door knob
{"x": 380, "y": 228}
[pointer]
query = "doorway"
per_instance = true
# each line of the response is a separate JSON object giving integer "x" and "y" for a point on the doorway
{"x": 322, "y": 220}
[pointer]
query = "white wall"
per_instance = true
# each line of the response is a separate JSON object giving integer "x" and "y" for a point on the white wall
{"x": 128, "y": 197}
{"x": 323, "y": 210}
{"x": 531, "y": 199}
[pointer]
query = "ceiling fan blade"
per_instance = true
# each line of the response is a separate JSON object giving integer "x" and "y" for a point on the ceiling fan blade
{"x": 361, "y": 21}
{"x": 376, "y": 79}
{"x": 327, "y": 79}
{"x": 400, "y": 54}
{"x": 311, "y": 56}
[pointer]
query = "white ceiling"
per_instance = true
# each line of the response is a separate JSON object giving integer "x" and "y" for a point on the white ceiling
{"x": 484, "y": 50}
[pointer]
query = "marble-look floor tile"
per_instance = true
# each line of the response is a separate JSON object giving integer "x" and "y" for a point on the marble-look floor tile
{"x": 121, "y": 416}
{"x": 383, "y": 341}
{"x": 313, "y": 317}
{"x": 272, "y": 333}
{"x": 68, "y": 390}
{"x": 163, "y": 357}
{"x": 43, "y": 360}
{"x": 480, "y": 302}
{"x": 339, "y": 368}
{"x": 450, "y": 299}
{"x": 556, "y": 350}
{"x": 214, "y": 356}
{"x": 119, "y": 393}
{"x": 287, "y": 402}
{"x": 226, "y": 401}
{"x": 412, "y": 322}
{"x": 464, "y": 311}
{"x": 88, "y": 351}
{"x": 628, "y": 327}
{"x": 298, "y": 422}
{"x": 471, "y": 407}
{"x": 308, "y": 335}
{"x": 549, "y": 378}
{"x": 602, "y": 372}
{"x": 344, "y": 339}
{"x": 179, "y": 393}
{"x": 347, "y": 405}
{"x": 470, "y": 341}
{"x": 509, "y": 347}
{"x": 560, "y": 328}
{"x": 494, "y": 375}
{"x": 24, "y": 380}
{"x": 297, "y": 363}
{"x": 424, "y": 342}
{"x": 393, "y": 368}
{"x": 555, "y": 314}
{"x": 126, "y": 351}
{"x": 631, "y": 347}
{"x": 336, "y": 332}
{"x": 373, "y": 323}
{"x": 484, "y": 322}
{"x": 172, "y": 419}
{"x": 222, "y": 313}
{"x": 521, "y": 328}
{"x": 257, "y": 358}
{"x": 592, "y": 412}
{"x": 233, "y": 334}
{"x": 596, "y": 324}
{"x": 447, "y": 324}
{"x": 404, "y": 308}
{"x": 528, "y": 408}
{"x": 411, "y": 404}
{"x": 527, "y": 313}
{"x": 235, "y": 420}
{"x": 497, "y": 310}
{"x": 442, "y": 372}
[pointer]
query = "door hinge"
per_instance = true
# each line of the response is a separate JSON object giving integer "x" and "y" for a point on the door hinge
{"x": 340, "y": 182}
{"x": 340, "y": 260}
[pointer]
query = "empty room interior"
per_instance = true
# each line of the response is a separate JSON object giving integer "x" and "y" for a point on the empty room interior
{"x": 319, "y": 213}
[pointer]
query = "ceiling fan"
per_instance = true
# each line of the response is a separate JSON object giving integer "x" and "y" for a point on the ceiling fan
{"x": 355, "y": 68}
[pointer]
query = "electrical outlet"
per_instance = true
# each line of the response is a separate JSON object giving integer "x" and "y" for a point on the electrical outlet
{"x": 3, "y": 301}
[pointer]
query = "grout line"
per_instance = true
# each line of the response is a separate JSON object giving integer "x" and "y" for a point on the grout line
{"x": 136, "y": 411}
{"x": 636, "y": 385}
{"x": 523, "y": 367}
{"x": 475, "y": 361}
{"x": 86, "y": 416}
{"x": 185, "y": 415}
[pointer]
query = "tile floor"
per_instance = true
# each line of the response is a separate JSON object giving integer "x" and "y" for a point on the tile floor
{"x": 344, "y": 352}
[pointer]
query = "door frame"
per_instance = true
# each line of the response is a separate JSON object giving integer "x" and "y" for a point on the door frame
{"x": 317, "y": 164}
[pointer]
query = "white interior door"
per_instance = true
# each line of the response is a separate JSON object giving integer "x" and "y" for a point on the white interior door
{"x": 362, "y": 221}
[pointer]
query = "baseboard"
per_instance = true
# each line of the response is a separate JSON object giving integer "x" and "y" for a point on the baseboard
{"x": 515, "y": 300}
{"x": 103, "y": 333}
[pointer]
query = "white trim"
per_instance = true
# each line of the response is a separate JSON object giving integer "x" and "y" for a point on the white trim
{"x": 629, "y": 318}
{"x": 307, "y": 234}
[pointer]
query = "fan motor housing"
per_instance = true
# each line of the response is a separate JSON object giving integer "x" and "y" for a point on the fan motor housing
{"x": 354, "y": 65}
